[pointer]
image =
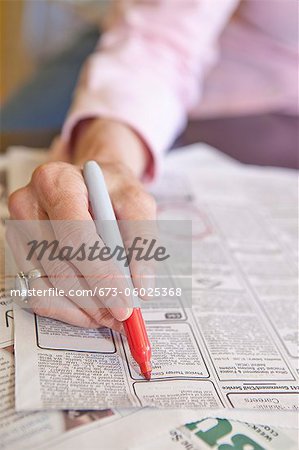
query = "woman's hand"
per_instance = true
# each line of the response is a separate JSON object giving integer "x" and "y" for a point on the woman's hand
{"x": 57, "y": 192}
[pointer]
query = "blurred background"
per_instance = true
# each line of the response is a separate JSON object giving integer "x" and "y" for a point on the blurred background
{"x": 32, "y": 31}
{"x": 43, "y": 43}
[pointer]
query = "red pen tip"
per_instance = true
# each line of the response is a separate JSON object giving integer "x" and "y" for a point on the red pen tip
{"x": 146, "y": 370}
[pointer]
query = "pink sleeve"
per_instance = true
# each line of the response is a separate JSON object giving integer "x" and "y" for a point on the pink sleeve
{"x": 148, "y": 69}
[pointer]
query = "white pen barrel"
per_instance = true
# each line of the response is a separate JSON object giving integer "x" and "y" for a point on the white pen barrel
{"x": 103, "y": 214}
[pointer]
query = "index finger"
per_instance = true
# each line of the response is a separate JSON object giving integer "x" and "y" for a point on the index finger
{"x": 63, "y": 194}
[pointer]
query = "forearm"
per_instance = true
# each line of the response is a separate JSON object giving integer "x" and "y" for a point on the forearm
{"x": 109, "y": 141}
{"x": 148, "y": 70}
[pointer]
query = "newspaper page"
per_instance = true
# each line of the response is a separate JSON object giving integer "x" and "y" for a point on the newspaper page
{"x": 223, "y": 434}
{"x": 77, "y": 429}
{"x": 21, "y": 431}
{"x": 6, "y": 320}
{"x": 234, "y": 353}
{"x": 121, "y": 429}
{"x": 150, "y": 429}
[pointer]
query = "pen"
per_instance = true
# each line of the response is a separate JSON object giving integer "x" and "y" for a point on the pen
{"x": 108, "y": 230}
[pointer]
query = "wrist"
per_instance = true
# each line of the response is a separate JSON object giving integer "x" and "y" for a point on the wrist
{"x": 111, "y": 142}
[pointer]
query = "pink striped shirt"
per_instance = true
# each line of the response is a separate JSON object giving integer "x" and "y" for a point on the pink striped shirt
{"x": 167, "y": 60}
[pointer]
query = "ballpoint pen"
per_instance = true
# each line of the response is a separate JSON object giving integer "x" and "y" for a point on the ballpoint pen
{"x": 107, "y": 228}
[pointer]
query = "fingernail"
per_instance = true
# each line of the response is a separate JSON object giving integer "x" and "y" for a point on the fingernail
{"x": 121, "y": 314}
{"x": 119, "y": 307}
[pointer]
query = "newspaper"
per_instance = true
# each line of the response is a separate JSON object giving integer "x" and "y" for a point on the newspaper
{"x": 6, "y": 320}
{"x": 223, "y": 434}
{"x": 159, "y": 429}
{"x": 75, "y": 430}
{"x": 38, "y": 429}
{"x": 85, "y": 429}
{"x": 235, "y": 353}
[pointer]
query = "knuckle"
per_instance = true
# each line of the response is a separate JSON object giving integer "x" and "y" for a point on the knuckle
{"x": 97, "y": 280}
{"x": 43, "y": 179}
{"x": 43, "y": 174}
{"x": 70, "y": 233}
{"x": 59, "y": 184}
{"x": 139, "y": 199}
{"x": 98, "y": 315}
{"x": 149, "y": 204}
{"x": 62, "y": 276}
{"x": 16, "y": 203}
{"x": 58, "y": 271}
{"x": 145, "y": 204}
{"x": 132, "y": 191}
{"x": 46, "y": 177}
